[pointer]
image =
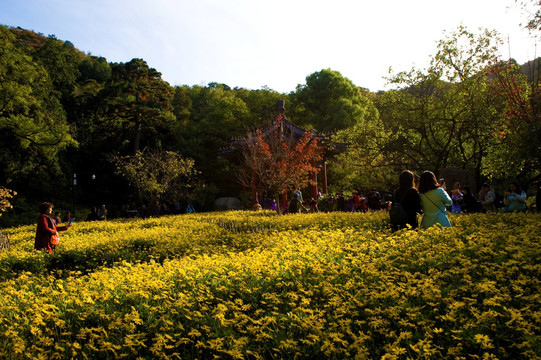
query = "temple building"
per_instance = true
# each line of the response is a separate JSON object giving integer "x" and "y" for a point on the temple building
{"x": 289, "y": 129}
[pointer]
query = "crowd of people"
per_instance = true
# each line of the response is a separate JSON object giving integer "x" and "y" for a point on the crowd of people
{"x": 431, "y": 199}
{"x": 462, "y": 199}
{"x": 97, "y": 214}
{"x": 427, "y": 197}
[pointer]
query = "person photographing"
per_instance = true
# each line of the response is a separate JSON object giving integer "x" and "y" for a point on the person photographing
{"x": 47, "y": 232}
{"x": 434, "y": 200}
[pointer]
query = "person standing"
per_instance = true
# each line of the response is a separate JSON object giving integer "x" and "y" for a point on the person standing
{"x": 357, "y": 200}
{"x": 515, "y": 199}
{"x": 274, "y": 205}
{"x": 294, "y": 205}
{"x": 408, "y": 197}
{"x": 93, "y": 216}
{"x": 434, "y": 200}
{"x": 489, "y": 201}
{"x": 482, "y": 193}
{"x": 67, "y": 217}
{"x": 46, "y": 228}
{"x": 56, "y": 218}
{"x": 470, "y": 204}
{"x": 340, "y": 201}
{"x": 458, "y": 198}
{"x": 102, "y": 213}
{"x": 298, "y": 192}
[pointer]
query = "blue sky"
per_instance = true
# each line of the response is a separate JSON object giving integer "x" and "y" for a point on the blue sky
{"x": 251, "y": 43}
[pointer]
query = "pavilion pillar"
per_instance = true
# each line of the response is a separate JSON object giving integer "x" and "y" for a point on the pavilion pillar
{"x": 324, "y": 176}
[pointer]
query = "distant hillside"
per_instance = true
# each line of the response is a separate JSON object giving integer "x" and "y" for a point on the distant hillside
{"x": 34, "y": 40}
{"x": 28, "y": 37}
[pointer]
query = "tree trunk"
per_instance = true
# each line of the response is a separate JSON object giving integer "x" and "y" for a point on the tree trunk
{"x": 278, "y": 206}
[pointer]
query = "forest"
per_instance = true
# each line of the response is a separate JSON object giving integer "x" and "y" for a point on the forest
{"x": 78, "y": 130}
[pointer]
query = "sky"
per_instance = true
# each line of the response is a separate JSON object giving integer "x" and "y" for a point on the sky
{"x": 256, "y": 43}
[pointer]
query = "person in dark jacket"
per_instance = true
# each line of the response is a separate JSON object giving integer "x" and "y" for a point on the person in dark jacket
{"x": 470, "y": 203}
{"x": 294, "y": 205}
{"x": 46, "y": 228}
{"x": 93, "y": 216}
{"x": 408, "y": 196}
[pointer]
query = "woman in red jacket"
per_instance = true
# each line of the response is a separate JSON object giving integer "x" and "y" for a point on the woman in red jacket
{"x": 46, "y": 228}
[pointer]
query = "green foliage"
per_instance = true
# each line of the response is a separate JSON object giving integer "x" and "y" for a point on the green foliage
{"x": 443, "y": 117}
{"x": 329, "y": 101}
{"x": 60, "y": 61}
{"x": 467, "y": 110}
{"x": 158, "y": 175}
{"x": 532, "y": 10}
{"x": 517, "y": 133}
{"x": 139, "y": 101}
{"x": 33, "y": 125}
{"x": 96, "y": 69}
{"x": 216, "y": 115}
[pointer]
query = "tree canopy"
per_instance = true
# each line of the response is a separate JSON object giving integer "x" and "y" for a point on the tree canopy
{"x": 329, "y": 102}
{"x": 64, "y": 112}
{"x": 33, "y": 126}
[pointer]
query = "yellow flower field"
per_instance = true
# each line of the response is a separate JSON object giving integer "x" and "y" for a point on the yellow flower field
{"x": 245, "y": 285}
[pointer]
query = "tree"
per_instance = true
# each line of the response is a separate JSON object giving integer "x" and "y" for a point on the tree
{"x": 260, "y": 103}
{"x": 443, "y": 117}
{"x": 182, "y": 105}
{"x": 205, "y": 123}
{"x": 95, "y": 68}
{"x": 138, "y": 100}
{"x": 532, "y": 8}
{"x": 158, "y": 175}
{"x": 364, "y": 165}
{"x": 60, "y": 61}
{"x": 33, "y": 127}
{"x": 276, "y": 162}
{"x": 517, "y": 133}
{"x": 329, "y": 101}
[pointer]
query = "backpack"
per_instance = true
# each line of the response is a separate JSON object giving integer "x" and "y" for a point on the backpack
{"x": 397, "y": 214}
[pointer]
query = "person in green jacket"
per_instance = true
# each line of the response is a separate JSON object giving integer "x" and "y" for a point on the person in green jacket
{"x": 434, "y": 200}
{"x": 515, "y": 199}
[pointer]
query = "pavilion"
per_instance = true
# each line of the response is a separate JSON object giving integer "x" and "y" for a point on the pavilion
{"x": 290, "y": 129}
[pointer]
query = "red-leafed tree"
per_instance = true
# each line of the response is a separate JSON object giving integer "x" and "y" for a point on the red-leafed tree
{"x": 518, "y": 133}
{"x": 277, "y": 162}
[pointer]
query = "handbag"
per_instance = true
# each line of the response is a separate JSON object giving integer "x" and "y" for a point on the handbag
{"x": 55, "y": 239}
